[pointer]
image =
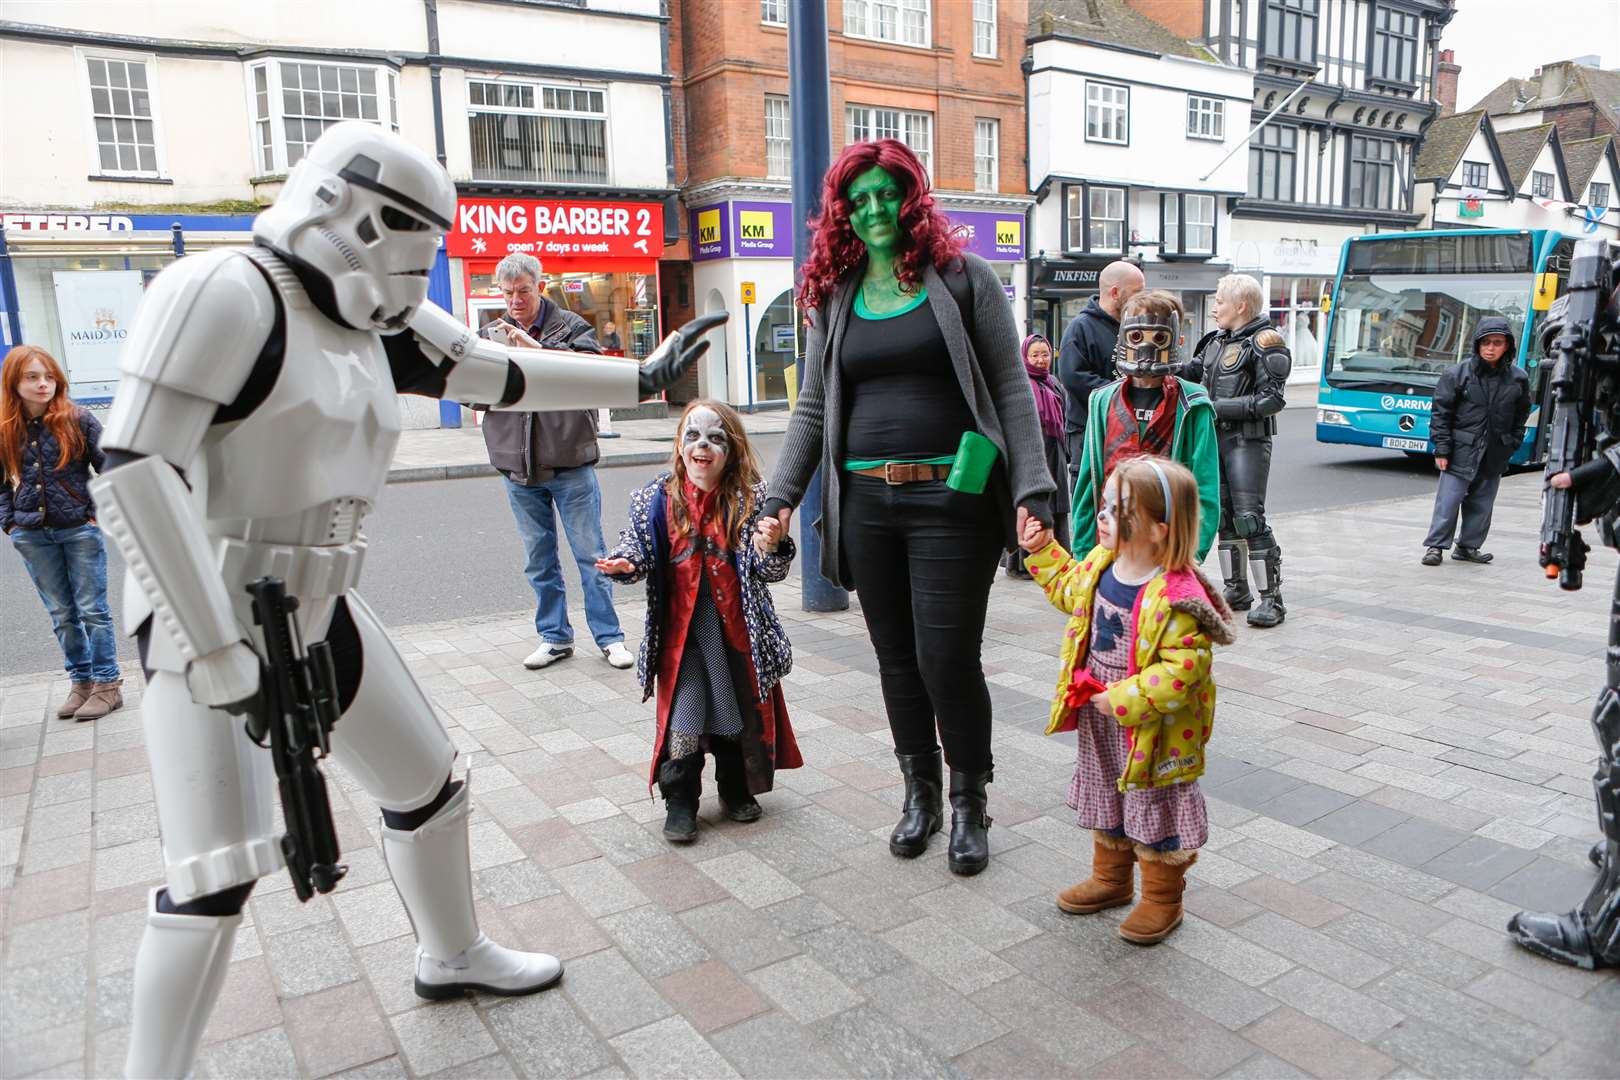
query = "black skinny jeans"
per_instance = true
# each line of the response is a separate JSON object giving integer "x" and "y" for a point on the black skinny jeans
{"x": 923, "y": 558}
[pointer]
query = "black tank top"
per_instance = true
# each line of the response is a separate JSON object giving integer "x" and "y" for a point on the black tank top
{"x": 903, "y": 400}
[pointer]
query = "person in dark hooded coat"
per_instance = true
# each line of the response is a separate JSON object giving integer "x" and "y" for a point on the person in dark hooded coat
{"x": 1480, "y": 409}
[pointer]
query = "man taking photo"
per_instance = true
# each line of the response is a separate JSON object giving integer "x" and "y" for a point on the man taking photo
{"x": 548, "y": 461}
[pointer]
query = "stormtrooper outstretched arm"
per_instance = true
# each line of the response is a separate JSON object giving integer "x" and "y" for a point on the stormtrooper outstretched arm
{"x": 202, "y": 326}
{"x": 440, "y": 356}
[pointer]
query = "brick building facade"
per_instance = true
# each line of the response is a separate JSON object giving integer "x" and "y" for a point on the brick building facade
{"x": 942, "y": 75}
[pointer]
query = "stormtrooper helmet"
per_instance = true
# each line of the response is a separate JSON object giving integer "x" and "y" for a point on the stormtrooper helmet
{"x": 361, "y": 217}
{"x": 1146, "y": 345}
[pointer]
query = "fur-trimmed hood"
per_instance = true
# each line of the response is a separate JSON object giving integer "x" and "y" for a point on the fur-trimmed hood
{"x": 1190, "y": 591}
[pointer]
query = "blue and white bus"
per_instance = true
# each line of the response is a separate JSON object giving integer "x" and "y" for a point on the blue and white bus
{"x": 1404, "y": 309}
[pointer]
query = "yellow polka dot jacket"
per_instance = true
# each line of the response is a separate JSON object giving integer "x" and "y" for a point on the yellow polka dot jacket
{"x": 1166, "y": 702}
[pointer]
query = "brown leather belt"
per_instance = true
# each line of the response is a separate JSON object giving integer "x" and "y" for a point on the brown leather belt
{"x": 906, "y": 472}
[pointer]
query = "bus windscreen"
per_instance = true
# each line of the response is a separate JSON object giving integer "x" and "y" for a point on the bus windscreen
{"x": 1420, "y": 254}
{"x": 1396, "y": 333}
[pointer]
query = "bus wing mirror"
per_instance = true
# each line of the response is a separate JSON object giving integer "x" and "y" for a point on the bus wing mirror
{"x": 1546, "y": 291}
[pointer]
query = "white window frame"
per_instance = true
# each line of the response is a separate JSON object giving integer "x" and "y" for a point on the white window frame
{"x": 1478, "y": 169}
{"x": 1188, "y": 202}
{"x": 1095, "y": 220}
{"x": 773, "y": 12}
{"x": 82, "y": 58}
{"x": 863, "y": 123}
{"x": 1608, "y": 193}
{"x": 1536, "y": 176}
{"x": 986, "y": 154}
{"x": 1206, "y": 117}
{"x": 865, "y": 19}
{"x": 387, "y": 82}
{"x": 538, "y": 88}
{"x": 1098, "y": 111}
{"x": 784, "y": 137}
{"x": 984, "y": 28}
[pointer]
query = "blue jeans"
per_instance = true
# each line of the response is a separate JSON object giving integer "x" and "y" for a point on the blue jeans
{"x": 576, "y": 494}
{"x": 69, "y": 568}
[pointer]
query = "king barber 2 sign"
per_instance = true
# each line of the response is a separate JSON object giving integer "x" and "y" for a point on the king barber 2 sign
{"x": 556, "y": 228}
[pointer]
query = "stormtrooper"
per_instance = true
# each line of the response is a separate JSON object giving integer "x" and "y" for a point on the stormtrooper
{"x": 1245, "y": 369}
{"x": 251, "y": 434}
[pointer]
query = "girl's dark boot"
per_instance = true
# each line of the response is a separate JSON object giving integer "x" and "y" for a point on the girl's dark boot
{"x": 731, "y": 780}
{"x": 679, "y": 782}
{"x": 970, "y": 840}
{"x": 923, "y": 814}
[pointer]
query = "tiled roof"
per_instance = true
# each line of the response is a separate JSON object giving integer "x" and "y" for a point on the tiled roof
{"x": 1520, "y": 149}
{"x": 1444, "y": 144}
{"x": 1581, "y": 158}
{"x": 1586, "y": 84}
{"x": 1107, "y": 22}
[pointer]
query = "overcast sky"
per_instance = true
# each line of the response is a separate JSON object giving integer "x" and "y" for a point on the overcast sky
{"x": 1499, "y": 39}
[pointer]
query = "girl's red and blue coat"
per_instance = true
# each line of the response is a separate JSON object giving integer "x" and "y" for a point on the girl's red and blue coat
{"x": 739, "y": 576}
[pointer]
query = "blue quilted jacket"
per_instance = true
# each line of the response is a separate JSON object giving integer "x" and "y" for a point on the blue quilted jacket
{"x": 645, "y": 542}
{"x": 45, "y": 495}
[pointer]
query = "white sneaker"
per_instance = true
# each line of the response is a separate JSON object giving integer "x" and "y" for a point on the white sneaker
{"x": 487, "y": 967}
{"x": 546, "y": 655}
{"x": 618, "y": 656}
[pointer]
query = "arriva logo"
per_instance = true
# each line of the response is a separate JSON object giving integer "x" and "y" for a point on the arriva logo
{"x": 1413, "y": 404}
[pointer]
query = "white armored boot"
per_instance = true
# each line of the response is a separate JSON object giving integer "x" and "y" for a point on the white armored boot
{"x": 433, "y": 874}
{"x": 179, "y": 970}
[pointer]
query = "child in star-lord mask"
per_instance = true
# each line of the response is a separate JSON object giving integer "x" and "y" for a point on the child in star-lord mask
{"x": 713, "y": 649}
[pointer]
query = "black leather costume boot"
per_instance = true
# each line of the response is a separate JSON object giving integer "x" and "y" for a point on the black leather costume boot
{"x": 970, "y": 840}
{"x": 923, "y": 814}
{"x": 680, "y": 781}
{"x": 731, "y": 781}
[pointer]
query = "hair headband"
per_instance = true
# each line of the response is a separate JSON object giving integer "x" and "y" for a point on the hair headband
{"x": 1164, "y": 485}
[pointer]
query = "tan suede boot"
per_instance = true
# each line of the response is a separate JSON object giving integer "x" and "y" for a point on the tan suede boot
{"x": 1164, "y": 879}
{"x": 76, "y": 698}
{"x": 1110, "y": 884}
{"x": 104, "y": 698}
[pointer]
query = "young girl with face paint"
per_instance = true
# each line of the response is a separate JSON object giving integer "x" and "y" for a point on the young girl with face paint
{"x": 713, "y": 651}
{"x": 1136, "y": 687}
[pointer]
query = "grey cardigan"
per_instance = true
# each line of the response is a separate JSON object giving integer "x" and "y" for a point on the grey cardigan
{"x": 988, "y": 367}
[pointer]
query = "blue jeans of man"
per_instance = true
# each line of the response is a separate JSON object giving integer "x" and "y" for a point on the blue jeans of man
{"x": 69, "y": 568}
{"x": 577, "y": 497}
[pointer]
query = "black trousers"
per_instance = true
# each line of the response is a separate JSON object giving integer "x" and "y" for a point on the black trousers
{"x": 923, "y": 558}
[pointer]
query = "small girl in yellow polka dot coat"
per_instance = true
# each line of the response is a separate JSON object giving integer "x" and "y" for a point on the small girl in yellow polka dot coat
{"x": 1137, "y": 688}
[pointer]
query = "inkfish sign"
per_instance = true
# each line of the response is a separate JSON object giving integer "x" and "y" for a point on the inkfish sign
{"x": 557, "y": 228}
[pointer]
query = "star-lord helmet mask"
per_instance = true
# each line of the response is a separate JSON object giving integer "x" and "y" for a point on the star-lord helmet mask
{"x": 1146, "y": 346}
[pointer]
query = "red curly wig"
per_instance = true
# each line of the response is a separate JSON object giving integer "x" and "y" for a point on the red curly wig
{"x": 835, "y": 250}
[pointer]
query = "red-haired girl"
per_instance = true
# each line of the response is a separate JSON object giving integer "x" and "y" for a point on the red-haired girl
{"x": 911, "y": 348}
{"x": 48, "y": 446}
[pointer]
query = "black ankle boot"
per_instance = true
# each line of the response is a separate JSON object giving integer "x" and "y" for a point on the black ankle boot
{"x": 731, "y": 781}
{"x": 923, "y": 814}
{"x": 970, "y": 841}
{"x": 679, "y": 782}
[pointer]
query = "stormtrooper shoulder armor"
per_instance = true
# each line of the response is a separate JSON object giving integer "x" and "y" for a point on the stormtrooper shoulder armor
{"x": 203, "y": 323}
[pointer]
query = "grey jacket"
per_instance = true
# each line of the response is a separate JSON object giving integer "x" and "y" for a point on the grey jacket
{"x": 530, "y": 447}
{"x": 988, "y": 368}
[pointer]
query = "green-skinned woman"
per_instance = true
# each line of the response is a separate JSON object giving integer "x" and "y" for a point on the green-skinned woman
{"x": 912, "y": 345}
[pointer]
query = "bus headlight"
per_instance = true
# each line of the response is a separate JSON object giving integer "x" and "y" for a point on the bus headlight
{"x": 1332, "y": 416}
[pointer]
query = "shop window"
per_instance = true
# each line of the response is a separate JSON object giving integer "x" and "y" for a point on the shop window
{"x": 1271, "y": 163}
{"x": 778, "y": 138}
{"x": 1107, "y": 113}
{"x": 903, "y": 21}
{"x": 1541, "y": 185}
{"x": 1476, "y": 176}
{"x": 1206, "y": 118}
{"x": 534, "y": 133}
{"x": 986, "y": 154}
{"x": 775, "y": 348}
{"x": 124, "y": 115}
{"x": 294, "y": 102}
{"x": 863, "y": 123}
{"x": 984, "y": 28}
{"x": 627, "y": 300}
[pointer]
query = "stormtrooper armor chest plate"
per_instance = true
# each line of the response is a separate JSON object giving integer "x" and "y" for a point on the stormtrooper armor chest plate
{"x": 326, "y": 432}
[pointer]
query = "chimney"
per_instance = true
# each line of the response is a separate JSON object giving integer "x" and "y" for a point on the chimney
{"x": 1555, "y": 79}
{"x": 1183, "y": 19}
{"x": 1445, "y": 82}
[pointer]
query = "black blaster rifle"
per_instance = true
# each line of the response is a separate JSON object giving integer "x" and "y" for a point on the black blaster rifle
{"x": 1577, "y": 357}
{"x": 297, "y": 708}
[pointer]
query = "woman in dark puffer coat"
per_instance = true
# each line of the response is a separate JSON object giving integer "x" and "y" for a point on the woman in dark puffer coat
{"x": 48, "y": 445}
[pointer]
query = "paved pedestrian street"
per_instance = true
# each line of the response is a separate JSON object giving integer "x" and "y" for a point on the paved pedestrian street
{"x": 1394, "y": 772}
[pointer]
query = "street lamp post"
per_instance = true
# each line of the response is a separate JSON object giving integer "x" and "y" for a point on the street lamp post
{"x": 809, "y": 104}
